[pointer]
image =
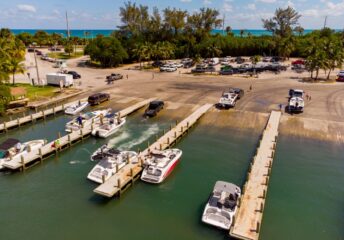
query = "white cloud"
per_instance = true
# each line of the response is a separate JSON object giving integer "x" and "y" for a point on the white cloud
{"x": 26, "y": 8}
{"x": 251, "y": 6}
{"x": 327, "y": 9}
{"x": 227, "y": 6}
{"x": 266, "y": 1}
{"x": 207, "y": 2}
{"x": 185, "y": 1}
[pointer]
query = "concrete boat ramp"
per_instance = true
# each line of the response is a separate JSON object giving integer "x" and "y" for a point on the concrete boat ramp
{"x": 35, "y": 156}
{"x": 129, "y": 173}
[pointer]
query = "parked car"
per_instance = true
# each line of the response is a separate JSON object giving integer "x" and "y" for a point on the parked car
{"x": 98, "y": 98}
{"x": 228, "y": 71}
{"x": 239, "y": 60}
{"x": 298, "y": 62}
{"x": 189, "y": 64}
{"x": 74, "y": 74}
{"x": 340, "y": 79}
{"x": 153, "y": 108}
{"x": 54, "y": 49}
{"x": 157, "y": 63}
{"x": 114, "y": 76}
{"x": 168, "y": 68}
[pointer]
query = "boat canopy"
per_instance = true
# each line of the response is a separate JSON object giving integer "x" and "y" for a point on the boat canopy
{"x": 9, "y": 143}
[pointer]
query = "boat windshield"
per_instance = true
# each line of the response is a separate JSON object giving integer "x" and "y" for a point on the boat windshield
{"x": 3, "y": 153}
{"x": 153, "y": 171}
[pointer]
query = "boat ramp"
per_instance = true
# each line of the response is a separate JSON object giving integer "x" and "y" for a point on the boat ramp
{"x": 130, "y": 172}
{"x": 249, "y": 216}
{"x": 51, "y": 148}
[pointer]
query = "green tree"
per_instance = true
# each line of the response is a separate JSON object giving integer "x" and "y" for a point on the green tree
{"x": 15, "y": 66}
{"x": 283, "y": 22}
{"x": 143, "y": 52}
{"x": 26, "y": 38}
{"x": 107, "y": 50}
{"x": 5, "y": 96}
{"x": 68, "y": 47}
{"x": 174, "y": 19}
{"x": 42, "y": 38}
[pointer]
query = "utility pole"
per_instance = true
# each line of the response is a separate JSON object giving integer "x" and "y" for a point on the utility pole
{"x": 68, "y": 32}
{"x": 325, "y": 22}
{"x": 34, "y": 53}
{"x": 223, "y": 24}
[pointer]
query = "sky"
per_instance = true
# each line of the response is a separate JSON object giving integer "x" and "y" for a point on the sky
{"x": 104, "y": 14}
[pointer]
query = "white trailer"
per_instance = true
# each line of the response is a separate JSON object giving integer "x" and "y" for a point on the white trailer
{"x": 59, "y": 79}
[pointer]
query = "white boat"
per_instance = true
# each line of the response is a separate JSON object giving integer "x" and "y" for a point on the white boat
{"x": 228, "y": 99}
{"x": 110, "y": 161}
{"x": 13, "y": 149}
{"x": 159, "y": 164}
{"x": 76, "y": 108}
{"x": 222, "y": 205}
{"x": 296, "y": 104}
{"x": 110, "y": 126}
{"x": 87, "y": 119}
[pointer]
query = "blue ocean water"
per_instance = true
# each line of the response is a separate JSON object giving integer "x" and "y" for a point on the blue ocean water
{"x": 91, "y": 33}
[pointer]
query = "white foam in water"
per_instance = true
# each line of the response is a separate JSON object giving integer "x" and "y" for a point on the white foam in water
{"x": 152, "y": 130}
{"x": 123, "y": 136}
{"x": 75, "y": 162}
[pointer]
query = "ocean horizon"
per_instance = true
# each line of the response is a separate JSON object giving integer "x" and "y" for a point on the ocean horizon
{"x": 82, "y": 33}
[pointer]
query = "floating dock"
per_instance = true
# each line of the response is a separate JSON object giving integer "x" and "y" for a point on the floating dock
{"x": 249, "y": 216}
{"x": 130, "y": 172}
{"x": 36, "y": 156}
{"x": 5, "y": 126}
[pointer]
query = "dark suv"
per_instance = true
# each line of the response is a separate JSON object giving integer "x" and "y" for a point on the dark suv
{"x": 98, "y": 98}
{"x": 153, "y": 108}
{"x": 74, "y": 74}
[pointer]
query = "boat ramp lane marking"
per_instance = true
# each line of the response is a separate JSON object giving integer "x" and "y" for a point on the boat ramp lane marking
{"x": 115, "y": 183}
{"x": 65, "y": 141}
{"x": 34, "y": 116}
{"x": 247, "y": 221}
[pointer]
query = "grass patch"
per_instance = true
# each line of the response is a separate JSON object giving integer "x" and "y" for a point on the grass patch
{"x": 34, "y": 92}
{"x": 64, "y": 56}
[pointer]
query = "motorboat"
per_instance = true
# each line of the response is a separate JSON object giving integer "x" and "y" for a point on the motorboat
{"x": 228, "y": 99}
{"x": 76, "y": 108}
{"x": 109, "y": 126}
{"x": 13, "y": 148}
{"x": 222, "y": 205}
{"x": 296, "y": 104}
{"x": 110, "y": 161}
{"x": 159, "y": 164}
{"x": 86, "y": 119}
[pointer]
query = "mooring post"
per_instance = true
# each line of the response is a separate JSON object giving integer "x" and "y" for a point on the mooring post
{"x": 28, "y": 148}
{"x": 40, "y": 153}
{"x": 22, "y": 162}
{"x": 117, "y": 168}
{"x": 43, "y": 113}
{"x": 119, "y": 183}
{"x": 103, "y": 178}
{"x": 175, "y": 134}
{"x": 18, "y": 122}
{"x": 160, "y": 147}
{"x": 5, "y": 127}
{"x": 168, "y": 141}
{"x": 272, "y": 154}
{"x": 63, "y": 107}
{"x": 69, "y": 140}
{"x": 31, "y": 118}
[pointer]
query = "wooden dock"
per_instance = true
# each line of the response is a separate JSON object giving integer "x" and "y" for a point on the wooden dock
{"x": 5, "y": 126}
{"x": 130, "y": 172}
{"x": 36, "y": 156}
{"x": 248, "y": 219}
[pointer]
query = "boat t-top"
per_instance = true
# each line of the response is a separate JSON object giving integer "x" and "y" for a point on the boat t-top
{"x": 76, "y": 108}
{"x": 85, "y": 119}
{"x": 110, "y": 161}
{"x": 13, "y": 149}
{"x": 159, "y": 164}
{"x": 108, "y": 125}
{"x": 222, "y": 205}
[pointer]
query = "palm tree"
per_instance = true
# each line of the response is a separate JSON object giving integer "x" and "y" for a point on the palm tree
{"x": 299, "y": 30}
{"x": 15, "y": 66}
{"x": 242, "y": 32}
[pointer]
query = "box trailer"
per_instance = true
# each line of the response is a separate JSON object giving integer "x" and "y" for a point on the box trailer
{"x": 59, "y": 79}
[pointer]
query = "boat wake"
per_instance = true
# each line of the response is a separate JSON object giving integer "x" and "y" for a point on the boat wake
{"x": 73, "y": 162}
{"x": 123, "y": 136}
{"x": 152, "y": 130}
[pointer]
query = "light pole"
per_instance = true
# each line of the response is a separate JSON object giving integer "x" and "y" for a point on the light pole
{"x": 34, "y": 53}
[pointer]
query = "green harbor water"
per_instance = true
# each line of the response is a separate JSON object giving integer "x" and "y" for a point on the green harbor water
{"x": 55, "y": 200}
